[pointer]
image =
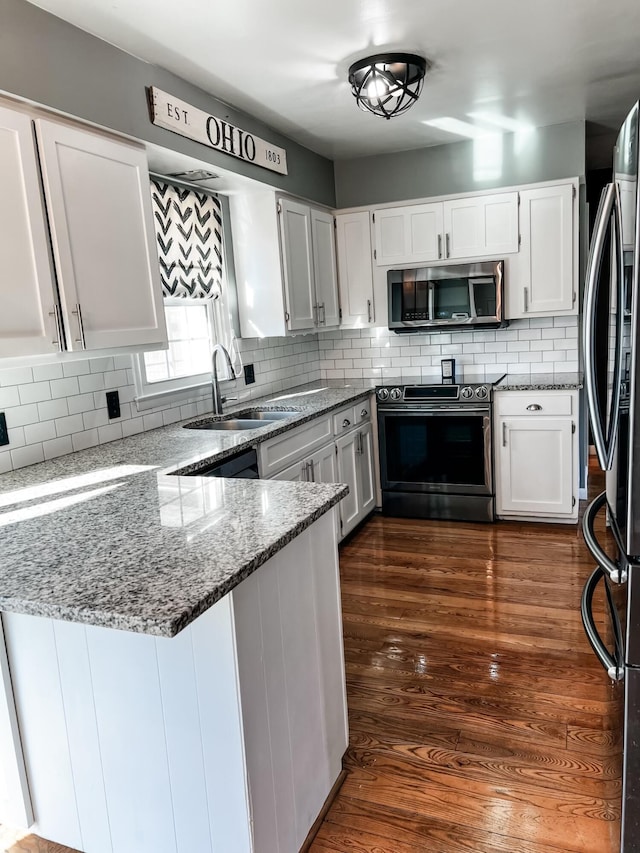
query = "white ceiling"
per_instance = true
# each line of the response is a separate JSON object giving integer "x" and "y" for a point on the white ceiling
{"x": 285, "y": 61}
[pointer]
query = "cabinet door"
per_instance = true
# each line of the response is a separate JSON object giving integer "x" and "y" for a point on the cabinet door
{"x": 27, "y": 290}
{"x": 535, "y": 466}
{"x": 481, "y": 226}
{"x": 367, "y": 486}
{"x": 348, "y": 472}
{"x": 355, "y": 269}
{"x": 323, "y": 465}
{"x": 296, "y": 473}
{"x": 99, "y": 206}
{"x": 408, "y": 234}
{"x": 541, "y": 277}
{"x": 297, "y": 263}
{"x": 324, "y": 269}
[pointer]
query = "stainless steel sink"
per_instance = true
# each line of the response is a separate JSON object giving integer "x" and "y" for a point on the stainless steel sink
{"x": 229, "y": 424}
{"x": 263, "y": 415}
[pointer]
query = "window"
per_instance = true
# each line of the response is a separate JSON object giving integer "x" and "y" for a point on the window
{"x": 190, "y": 255}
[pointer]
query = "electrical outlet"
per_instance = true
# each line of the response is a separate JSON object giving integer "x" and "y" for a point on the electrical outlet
{"x": 113, "y": 404}
{"x": 4, "y": 434}
{"x": 249, "y": 374}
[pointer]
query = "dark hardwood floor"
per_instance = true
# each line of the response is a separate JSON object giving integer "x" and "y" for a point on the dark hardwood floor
{"x": 480, "y": 719}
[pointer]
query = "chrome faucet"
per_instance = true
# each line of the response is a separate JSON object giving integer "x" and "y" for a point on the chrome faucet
{"x": 215, "y": 386}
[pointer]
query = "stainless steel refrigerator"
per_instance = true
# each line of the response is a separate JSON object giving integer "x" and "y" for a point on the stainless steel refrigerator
{"x": 613, "y": 288}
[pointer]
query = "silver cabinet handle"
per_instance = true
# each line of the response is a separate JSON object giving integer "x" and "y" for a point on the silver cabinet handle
{"x": 359, "y": 444}
{"x": 315, "y": 314}
{"x": 504, "y": 433}
{"x": 322, "y": 322}
{"x": 364, "y": 413}
{"x": 525, "y": 293}
{"x": 304, "y": 472}
{"x": 313, "y": 471}
{"x": 345, "y": 423}
{"x": 448, "y": 243}
{"x": 368, "y": 310}
{"x": 81, "y": 340}
{"x": 58, "y": 327}
{"x": 439, "y": 246}
{"x": 534, "y": 407}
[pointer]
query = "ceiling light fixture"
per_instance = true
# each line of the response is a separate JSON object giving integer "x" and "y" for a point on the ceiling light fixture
{"x": 387, "y": 84}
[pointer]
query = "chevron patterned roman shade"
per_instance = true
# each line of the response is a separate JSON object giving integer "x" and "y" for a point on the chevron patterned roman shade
{"x": 189, "y": 238}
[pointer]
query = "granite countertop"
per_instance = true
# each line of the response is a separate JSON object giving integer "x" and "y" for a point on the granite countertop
{"x": 540, "y": 382}
{"x": 108, "y": 536}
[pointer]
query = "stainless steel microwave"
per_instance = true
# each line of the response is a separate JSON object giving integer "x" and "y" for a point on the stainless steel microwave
{"x": 459, "y": 296}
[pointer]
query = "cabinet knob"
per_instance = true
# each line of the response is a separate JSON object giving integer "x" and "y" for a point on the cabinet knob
{"x": 346, "y": 422}
{"x": 364, "y": 413}
{"x": 534, "y": 407}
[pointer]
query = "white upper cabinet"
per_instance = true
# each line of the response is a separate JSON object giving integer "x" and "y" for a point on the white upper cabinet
{"x": 324, "y": 268}
{"x": 355, "y": 269}
{"x": 469, "y": 227}
{"x": 541, "y": 279}
{"x": 409, "y": 234}
{"x": 27, "y": 289}
{"x": 297, "y": 264}
{"x": 285, "y": 263}
{"x": 481, "y": 226}
{"x": 99, "y": 207}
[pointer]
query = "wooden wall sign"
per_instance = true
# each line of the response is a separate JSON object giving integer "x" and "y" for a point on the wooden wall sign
{"x": 180, "y": 117}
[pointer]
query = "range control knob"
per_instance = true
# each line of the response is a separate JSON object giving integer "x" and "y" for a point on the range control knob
{"x": 466, "y": 393}
{"x": 383, "y": 393}
{"x": 395, "y": 393}
{"x": 481, "y": 392}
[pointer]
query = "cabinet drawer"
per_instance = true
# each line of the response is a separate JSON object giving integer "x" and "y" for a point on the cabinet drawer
{"x": 345, "y": 419}
{"x": 280, "y": 452}
{"x": 534, "y": 403}
{"x": 363, "y": 411}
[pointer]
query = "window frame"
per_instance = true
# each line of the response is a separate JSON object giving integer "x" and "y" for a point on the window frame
{"x": 151, "y": 394}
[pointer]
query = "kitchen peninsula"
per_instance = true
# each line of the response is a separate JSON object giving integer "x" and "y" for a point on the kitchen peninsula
{"x": 174, "y": 645}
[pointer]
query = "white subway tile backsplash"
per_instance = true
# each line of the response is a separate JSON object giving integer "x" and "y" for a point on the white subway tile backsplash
{"x": 34, "y": 392}
{"x": 81, "y": 403}
{"x": 43, "y": 372}
{"x": 87, "y": 438}
{"x": 9, "y": 397}
{"x": 64, "y": 387}
{"x": 77, "y": 368}
{"x": 92, "y": 382}
{"x": 16, "y": 376}
{"x": 21, "y": 415}
{"x": 33, "y": 433}
{"x": 51, "y": 409}
{"x": 5, "y": 462}
{"x": 30, "y": 455}
{"x": 57, "y": 447}
{"x": 111, "y": 432}
{"x": 69, "y": 425}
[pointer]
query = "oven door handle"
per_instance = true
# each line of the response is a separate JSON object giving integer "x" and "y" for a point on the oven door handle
{"x": 433, "y": 410}
{"x": 617, "y": 572}
{"x": 614, "y": 664}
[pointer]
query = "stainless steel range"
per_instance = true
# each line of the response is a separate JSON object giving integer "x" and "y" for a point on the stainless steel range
{"x": 436, "y": 455}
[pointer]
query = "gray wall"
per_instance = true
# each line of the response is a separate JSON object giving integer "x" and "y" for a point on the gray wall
{"x": 52, "y": 63}
{"x": 545, "y": 154}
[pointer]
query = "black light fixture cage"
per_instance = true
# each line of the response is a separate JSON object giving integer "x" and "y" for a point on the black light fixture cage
{"x": 387, "y": 84}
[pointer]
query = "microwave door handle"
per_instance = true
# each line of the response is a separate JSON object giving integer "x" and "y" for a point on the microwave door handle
{"x": 431, "y": 297}
{"x": 472, "y": 299}
{"x": 613, "y": 665}
{"x": 591, "y": 291}
{"x": 616, "y": 389}
{"x": 617, "y": 572}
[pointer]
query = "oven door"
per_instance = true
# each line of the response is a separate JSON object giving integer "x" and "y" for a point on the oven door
{"x": 436, "y": 449}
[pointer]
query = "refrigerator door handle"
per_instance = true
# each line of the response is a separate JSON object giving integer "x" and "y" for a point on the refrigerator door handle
{"x": 607, "y": 202}
{"x": 620, "y": 300}
{"x": 617, "y": 572}
{"x": 614, "y": 664}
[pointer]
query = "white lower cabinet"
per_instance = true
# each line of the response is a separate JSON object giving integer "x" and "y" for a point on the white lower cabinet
{"x": 228, "y": 737}
{"x": 536, "y": 455}
{"x": 355, "y": 467}
{"x": 349, "y": 458}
